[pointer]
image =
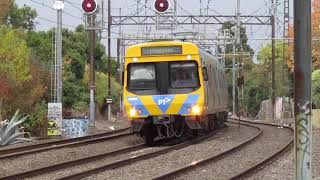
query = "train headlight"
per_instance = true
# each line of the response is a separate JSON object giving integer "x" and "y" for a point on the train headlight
{"x": 196, "y": 109}
{"x": 133, "y": 112}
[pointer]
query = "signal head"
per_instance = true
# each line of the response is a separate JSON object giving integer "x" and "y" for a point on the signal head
{"x": 161, "y": 5}
{"x": 89, "y": 6}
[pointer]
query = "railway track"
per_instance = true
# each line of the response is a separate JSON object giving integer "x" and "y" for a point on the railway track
{"x": 135, "y": 159}
{"x": 215, "y": 158}
{"x": 115, "y": 164}
{"x": 253, "y": 169}
{"x": 24, "y": 150}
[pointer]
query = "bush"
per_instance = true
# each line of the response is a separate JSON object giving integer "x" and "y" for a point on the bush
{"x": 37, "y": 118}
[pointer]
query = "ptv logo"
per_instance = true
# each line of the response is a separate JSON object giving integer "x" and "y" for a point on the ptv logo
{"x": 164, "y": 101}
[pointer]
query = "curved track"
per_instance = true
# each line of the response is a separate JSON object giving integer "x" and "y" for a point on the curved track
{"x": 68, "y": 164}
{"x": 133, "y": 159}
{"x": 61, "y": 166}
{"x": 129, "y": 159}
{"x": 252, "y": 170}
{"x": 24, "y": 150}
{"x": 215, "y": 158}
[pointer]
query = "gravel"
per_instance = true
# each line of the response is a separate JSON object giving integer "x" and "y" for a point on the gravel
{"x": 101, "y": 127}
{"x": 167, "y": 162}
{"x": 91, "y": 165}
{"x": 42, "y": 159}
{"x": 269, "y": 142}
{"x": 284, "y": 169}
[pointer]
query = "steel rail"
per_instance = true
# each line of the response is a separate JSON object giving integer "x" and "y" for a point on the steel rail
{"x": 253, "y": 169}
{"x": 24, "y": 150}
{"x": 241, "y": 175}
{"x": 172, "y": 174}
{"x": 134, "y": 159}
{"x": 63, "y": 165}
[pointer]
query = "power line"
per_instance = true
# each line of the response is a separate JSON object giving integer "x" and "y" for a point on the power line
{"x": 55, "y": 10}
{"x": 54, "y": 22}
{"x": 74, "y": 5}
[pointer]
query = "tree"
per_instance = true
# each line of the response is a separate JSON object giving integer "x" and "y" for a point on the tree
{"x": 13, "y": 56}
{"x": 258, "y": 80}
{"x": 21, "y": 17}
{"x": 315, "y": 20}
{"x": 316, "y": 88}
{"x": 4, "y": 6}
{"x": 22, "y": 79}
{"x": 247, "y": 60}
{"x": 41, "y": 46}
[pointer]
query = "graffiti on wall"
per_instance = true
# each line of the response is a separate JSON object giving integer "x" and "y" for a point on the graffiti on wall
{"x": 54, "y": 118}
{"x": 75, "y": 127}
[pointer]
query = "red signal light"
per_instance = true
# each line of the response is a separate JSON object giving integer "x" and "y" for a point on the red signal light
{"x": 161, "y": 5}
{"x": 89, "y": 6}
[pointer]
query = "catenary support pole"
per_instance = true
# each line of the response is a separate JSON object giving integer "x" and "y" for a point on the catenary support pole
{"x": 109, "y": 58}
{"x": 59, "y": 50}
{"x": 233, "y": 80}
{"x": 302, "y": 86}
{"x": 92, "y": 44}
{"x": 273, "y": 90}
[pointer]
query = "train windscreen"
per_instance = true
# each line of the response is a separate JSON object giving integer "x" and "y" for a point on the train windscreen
{"x": 183, "y": 75}
{"x": 142, "y": 76}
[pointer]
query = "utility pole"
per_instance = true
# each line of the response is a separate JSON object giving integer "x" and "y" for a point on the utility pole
{"x": 109, "y": 101}
{"x": 59, "y": 5}
{"x": 238, "y": 46}
{"x": 273, "y": 98}
{"x": 92, "y": 44}
{"x": 120, "y": 73}
{"x": 238, "y": 23}
{"x": 302, "y": 89}
{"x": 286, "y": 21}
{"x": 233, "y": 79}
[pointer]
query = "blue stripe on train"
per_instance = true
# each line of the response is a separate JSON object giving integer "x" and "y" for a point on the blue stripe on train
{"x": 138, "y": 105}
{"x": 188, "y": 103}
{"x": 163, "y": 102}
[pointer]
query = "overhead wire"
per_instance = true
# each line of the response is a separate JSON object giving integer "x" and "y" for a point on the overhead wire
{"x": 74, "y": 5}
{"x": 45, "y": 5}
{"x": 54, "y": 22}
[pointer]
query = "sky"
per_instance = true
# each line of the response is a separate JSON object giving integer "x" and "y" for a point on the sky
{"x": 73, "y": 15}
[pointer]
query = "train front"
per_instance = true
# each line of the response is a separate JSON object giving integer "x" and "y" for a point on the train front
{"x": 163, "y": 88}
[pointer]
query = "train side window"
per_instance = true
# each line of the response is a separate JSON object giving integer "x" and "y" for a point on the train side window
{"x": 205, "y": 73}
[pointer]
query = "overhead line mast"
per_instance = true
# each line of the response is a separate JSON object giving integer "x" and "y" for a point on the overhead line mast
{"x": 302, "y": 86}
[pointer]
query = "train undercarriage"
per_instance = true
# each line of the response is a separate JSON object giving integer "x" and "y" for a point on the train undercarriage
{"x": 170, "y": 126}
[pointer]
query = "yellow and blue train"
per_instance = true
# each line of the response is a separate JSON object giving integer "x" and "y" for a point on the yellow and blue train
{"x": 172, "y": 86}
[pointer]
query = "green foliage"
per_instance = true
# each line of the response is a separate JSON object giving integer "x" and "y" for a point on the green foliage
{"x": 21, "y": 17}
{"x": 41, "y": 46}
{"x": 23, "y": 80}
{"x": 244, "y": 42}
{"x": 102, "y": 90}
{"x": 259, "y": 82}
{"x": 247, "y": 60}
{"x": 14, "y": 56}
{"x": 37, "y": 117}
{"x": 316, "y": 88}
{"x": 102, "y": 80}
{"x": 75, "y": 92}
